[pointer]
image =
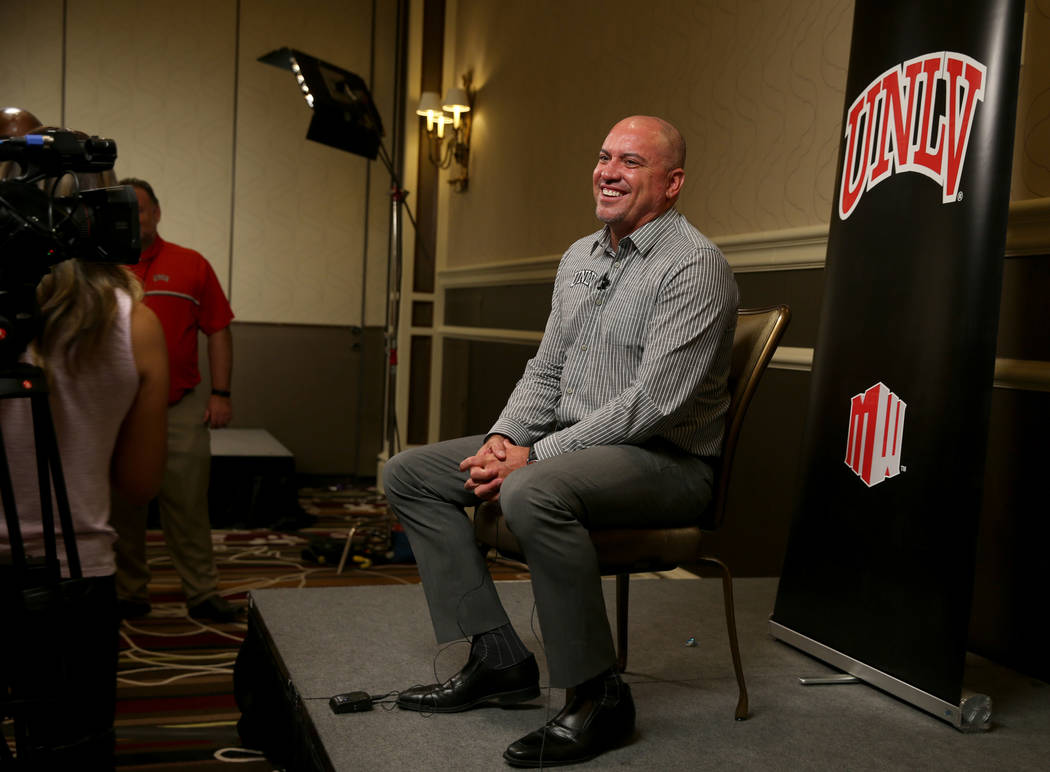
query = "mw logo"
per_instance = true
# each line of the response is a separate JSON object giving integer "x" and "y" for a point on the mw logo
{"x": 876, "y": 431}
{"x": 898, "y": 124}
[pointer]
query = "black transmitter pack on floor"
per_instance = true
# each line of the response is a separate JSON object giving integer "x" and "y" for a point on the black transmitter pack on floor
{"x": 350, "y": 702}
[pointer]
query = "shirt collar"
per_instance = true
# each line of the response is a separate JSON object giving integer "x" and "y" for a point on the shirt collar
{"x": 643, "y": 239}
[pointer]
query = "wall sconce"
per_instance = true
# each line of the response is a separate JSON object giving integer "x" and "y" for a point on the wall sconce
{"x": 448, "y": 128}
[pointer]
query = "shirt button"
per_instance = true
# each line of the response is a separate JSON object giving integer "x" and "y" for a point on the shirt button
{"x": 598, "y": 302}
{"x": 583, "y": 347}
{"x": 569, "y": 390}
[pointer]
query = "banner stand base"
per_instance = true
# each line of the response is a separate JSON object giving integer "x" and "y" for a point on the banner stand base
{"x": 972, "y": 714}
{"x": 832, "y": 680}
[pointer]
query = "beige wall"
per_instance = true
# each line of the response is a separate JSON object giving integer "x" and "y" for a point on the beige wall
{"x": 1031, "y": 173}
{"x": 158, "y": 78}
{"x": 757, "y": 88}
{"x": 222, "y": 137}
{"x": 296, "y": 231}
{"x": 32, "y": 33}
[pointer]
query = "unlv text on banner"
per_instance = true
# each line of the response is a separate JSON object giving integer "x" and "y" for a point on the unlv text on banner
{"x": 876, "y": 432}
{"x": 893, "y": 127}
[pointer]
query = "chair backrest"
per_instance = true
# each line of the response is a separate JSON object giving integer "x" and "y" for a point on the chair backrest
{"x": 758, "y": 332}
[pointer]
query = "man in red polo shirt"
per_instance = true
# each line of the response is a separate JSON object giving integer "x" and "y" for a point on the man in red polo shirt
{"x": 182, "y": 290}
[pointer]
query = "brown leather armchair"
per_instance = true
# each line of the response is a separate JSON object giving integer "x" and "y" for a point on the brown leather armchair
{"x": 634, "y": 550}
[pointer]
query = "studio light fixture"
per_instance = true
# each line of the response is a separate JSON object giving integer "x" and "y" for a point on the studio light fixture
{"x": 448, "y": 128}
{"x": 345, "y": 117}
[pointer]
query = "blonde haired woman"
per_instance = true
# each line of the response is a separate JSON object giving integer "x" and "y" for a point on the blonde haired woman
{"x": 105, "y": 360}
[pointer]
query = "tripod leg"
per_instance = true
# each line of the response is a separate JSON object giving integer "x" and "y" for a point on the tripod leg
{"x": 44, "y": 432}
{"x": 7, "y": 496}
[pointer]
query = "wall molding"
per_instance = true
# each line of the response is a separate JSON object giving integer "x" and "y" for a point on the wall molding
{"x": 1018, "y": 374}
{"x": 792, "y": 358}
{"x": 1028, "y": 233}
{"x": 1022, "y": 374}
{"x": 781, "y": 250}
{"x": 1028, "y": 228}
{"x": 530, "y": 270}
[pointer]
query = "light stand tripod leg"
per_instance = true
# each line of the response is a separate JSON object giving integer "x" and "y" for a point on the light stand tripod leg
{"x": 393, "y": 308}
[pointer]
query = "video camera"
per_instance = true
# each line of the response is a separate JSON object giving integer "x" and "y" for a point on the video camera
{"x": 39, "y": 228}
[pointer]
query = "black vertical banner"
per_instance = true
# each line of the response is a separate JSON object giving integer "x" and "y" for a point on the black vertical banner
{"x": 879, "y": 567}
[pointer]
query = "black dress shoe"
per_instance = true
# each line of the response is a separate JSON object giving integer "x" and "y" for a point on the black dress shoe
{"x": 587, "y": 726}
{"x": 475, "y": 684}
{"x": 132, "y": 609}
{"x": 216, "y": 608}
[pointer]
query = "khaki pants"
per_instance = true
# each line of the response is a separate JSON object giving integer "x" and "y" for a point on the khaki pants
{"x": 183, "y": 504}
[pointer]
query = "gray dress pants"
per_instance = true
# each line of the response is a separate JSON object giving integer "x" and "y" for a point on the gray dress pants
{"x": 549, "y": 505}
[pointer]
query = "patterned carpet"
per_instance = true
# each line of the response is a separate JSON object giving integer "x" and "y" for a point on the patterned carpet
{"x": 175, "y": 702}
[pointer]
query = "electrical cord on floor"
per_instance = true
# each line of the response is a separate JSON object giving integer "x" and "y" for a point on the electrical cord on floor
{"x": 197, "y": 671}
{"x": 237, "y": 755}
{"x": 183, "y": 665}
{"x": 256, "y": 553}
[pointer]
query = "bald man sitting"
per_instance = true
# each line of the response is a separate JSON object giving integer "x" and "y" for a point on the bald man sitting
{"x": 617, "y": 421}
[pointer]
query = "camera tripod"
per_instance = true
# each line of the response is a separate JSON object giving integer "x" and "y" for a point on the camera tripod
{"x": 42, "y": 610}
{"x": 24, "y": 381}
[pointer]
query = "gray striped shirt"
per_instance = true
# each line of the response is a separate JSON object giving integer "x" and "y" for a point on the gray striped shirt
{"x": 637, "y": 346}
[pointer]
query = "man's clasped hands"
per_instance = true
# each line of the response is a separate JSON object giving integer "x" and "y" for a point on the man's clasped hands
{"x": 489, "y": 467}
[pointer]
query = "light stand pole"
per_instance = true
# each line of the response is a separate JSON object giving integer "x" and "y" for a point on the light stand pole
{"x": 393, "y": 307}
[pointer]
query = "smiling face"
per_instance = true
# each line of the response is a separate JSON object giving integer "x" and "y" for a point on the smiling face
{"x": 638, "y": 176}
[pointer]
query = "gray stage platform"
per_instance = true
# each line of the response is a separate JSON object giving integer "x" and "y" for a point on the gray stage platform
{"x": 378, "y": 639}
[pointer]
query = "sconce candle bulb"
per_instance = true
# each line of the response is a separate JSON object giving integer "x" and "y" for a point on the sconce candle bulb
{"x": 454, "y": 110}
{"x": 429, "y": 107}
{"x": 457, "y": 103}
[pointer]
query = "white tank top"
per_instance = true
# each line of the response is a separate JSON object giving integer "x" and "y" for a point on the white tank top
{"x": 88, "y": 409}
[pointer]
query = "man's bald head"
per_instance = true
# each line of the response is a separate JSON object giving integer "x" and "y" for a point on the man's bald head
{"x": 670, "y": 140}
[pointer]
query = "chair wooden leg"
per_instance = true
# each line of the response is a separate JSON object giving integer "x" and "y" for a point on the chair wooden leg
{"x": 734, "y": 645}
{"x": 622, "y": 596}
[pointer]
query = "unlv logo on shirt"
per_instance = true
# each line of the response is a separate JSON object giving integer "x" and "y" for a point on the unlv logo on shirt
{"x": 876, "y": 431}
{"x": 894, "y": 120}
